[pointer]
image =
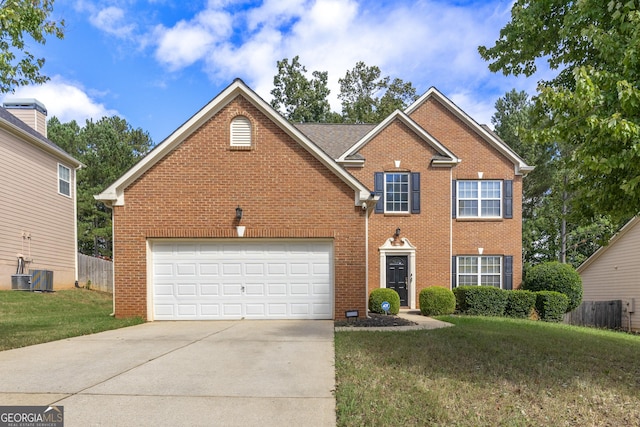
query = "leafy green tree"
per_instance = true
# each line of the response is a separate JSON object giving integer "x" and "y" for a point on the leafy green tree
{"x": 552, "y": 230}
{"x": 593, "y": 104}
{"x": 108, "y": 148}
{"x": 21, "y": 23}
{"x": 298, "y": 98}
{"x": 369, "y": 98}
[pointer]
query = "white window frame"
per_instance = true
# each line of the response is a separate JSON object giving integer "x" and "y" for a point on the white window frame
{"x": 478, "y": 198}
{"x": 481, "y": 270}
{"x": 64, "y": 180}
{"x": 407, "y": 176}
{"x": 241, "y": 132}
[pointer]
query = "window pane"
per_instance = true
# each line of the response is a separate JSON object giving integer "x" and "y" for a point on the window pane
{"x": 490, "y": 190}
{"x": 467, "y": 189}
{"x": 468, "y": 265}
{"x": 64, "y": 188}
{"x": 490, "y": 281}
{"x": 468, "y": 208}
{"x": 490, "y": 208}
{"x": 468, "y": 280}
{"x": 397, "y": 192}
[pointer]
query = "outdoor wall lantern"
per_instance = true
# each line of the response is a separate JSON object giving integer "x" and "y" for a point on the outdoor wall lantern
{"x": 397, "y": 232}
{"x": 238, "y": 213}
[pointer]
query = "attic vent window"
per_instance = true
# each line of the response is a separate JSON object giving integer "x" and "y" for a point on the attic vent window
{"x": 241, "y": 132}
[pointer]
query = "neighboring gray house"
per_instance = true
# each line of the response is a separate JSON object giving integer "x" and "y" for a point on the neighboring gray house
{"x": 37, "y": 197}
{"x": 613, "y": 273}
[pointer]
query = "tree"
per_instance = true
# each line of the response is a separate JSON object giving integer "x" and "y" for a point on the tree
{"x": 108, "y": 148}
{"x": 368, "y": 98}
{"x": 303, "y": 100}
{"x": 593, "y": 104}
{"x": 23, "y": 21}
{"x": 551, "y": 230}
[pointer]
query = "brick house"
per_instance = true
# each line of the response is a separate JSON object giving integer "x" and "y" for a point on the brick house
{"x": 241, "y": 214}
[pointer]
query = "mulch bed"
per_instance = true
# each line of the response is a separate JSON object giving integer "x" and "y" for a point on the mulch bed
{"x": 374, "y": 321}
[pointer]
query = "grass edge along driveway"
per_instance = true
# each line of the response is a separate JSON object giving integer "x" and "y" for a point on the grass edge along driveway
{"x": 488, "y": 372}
{"x": 28, "y": 318}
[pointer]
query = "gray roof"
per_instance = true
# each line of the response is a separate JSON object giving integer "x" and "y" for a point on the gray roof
{"x": 334, "y": 138}
{"x": 10, "y": 118}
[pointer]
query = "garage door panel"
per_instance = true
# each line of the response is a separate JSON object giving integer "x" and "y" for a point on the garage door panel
{"x": 251, "y": 279}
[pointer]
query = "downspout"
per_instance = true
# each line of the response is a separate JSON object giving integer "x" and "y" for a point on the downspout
{"x": 451, "y": 228}
{"x": 75, "y": 220}
{"x": 113, "y": 257}
{"x": 366, "y": 259}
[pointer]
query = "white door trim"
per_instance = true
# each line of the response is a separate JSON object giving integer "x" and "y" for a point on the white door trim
{"x": 404, "y": 248}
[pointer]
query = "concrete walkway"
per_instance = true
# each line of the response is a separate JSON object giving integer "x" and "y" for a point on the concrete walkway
{"x": 223, "y": 373}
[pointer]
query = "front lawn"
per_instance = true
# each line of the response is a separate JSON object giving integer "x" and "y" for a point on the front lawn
{"x": 28, "y": 318}
{"x": 488, "y": 372}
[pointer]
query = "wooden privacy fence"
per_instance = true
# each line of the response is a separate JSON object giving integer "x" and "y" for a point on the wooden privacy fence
{"x": 97, "y": 270}
{"x": 601, "y": 314}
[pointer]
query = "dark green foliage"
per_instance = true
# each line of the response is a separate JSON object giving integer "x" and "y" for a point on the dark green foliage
{"x": 551, "y": 305}
{"x": 108, "y": 148}
{"x": 554, "y": 276}
{"x": 480, "y": 300}
{"x": 378, "y": 296}
{"x": 437, "y": 301}
{"x": 520, "y": 303}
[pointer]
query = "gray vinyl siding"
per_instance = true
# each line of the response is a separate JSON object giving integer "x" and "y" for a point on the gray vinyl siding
{"x": 29, "y": 202}
{"x": 614, "y": 273}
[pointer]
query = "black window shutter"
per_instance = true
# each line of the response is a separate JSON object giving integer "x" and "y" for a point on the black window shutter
{"x": 454, "y": 207}
{"x": 378, "y": 188}
{"x": 415, "y": 192}
{"x": 507, "y": 280}
{"x": 508, "y": 199}
{"x": 454, "y": 272}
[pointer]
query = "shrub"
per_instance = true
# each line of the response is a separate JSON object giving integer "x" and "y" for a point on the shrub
{"x": 554, "y": 276}
{"x": 551, "y": 305}
{"x": 480, "y": 300}
{"x": 520, "y": 303}
{"x": 436, "y": 301}
{"x": 378, "y": 296}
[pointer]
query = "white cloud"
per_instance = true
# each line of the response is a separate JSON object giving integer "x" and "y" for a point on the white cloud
{"x": 112, "y": 21}
{"x": 66, "y": 100}
{"x": 191, "y": 41}
{"x": 481, "y": 110}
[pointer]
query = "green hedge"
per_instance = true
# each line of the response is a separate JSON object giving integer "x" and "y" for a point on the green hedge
{"x": 554, "y": 276}
{"x": 480, "y": 300}
{"x": 551, "y": 305}
{"x": 436, "y": 301}
{"x": 378, "y": 296}
{"x": 520, "y": 303}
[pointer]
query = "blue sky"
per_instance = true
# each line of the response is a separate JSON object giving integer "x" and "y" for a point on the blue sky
{"x": 157, "y": 62}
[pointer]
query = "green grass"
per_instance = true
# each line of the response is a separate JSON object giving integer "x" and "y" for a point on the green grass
{"x": 28, "y": 318}
{"x": 488, "y": 372}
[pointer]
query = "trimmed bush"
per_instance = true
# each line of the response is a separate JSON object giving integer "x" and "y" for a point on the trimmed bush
{"x": 520, "y": 303}
{"x": 378, "y": 296}
{"x": 436, "y": 301}
{"x": 480, "y": 300}
{"x": 558, "y": 277}
{"x": 551, "y": 305}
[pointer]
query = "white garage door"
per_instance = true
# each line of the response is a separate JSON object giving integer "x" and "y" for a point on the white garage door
{"x": 196, "y": 280}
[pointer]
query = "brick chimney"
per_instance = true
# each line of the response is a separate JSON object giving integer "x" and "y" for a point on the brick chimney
{"x": 29, "y": 110}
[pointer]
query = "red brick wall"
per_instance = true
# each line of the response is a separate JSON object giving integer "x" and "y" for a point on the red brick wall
{"x": 433, "y": 232}
{"x": 193, "y": 192}
{"x": 502, "y": 237}
{"x": 428, "y": 230}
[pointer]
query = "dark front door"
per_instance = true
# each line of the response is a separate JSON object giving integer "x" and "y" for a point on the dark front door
{"x": 397, "y": 272}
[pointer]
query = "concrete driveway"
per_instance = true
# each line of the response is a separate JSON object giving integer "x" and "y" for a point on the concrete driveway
{"x": 218, "y": 373}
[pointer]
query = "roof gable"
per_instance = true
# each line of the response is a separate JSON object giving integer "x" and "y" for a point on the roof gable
{"x": 489, "y": 136}
{"x": 445, "y": 156}
{"x": 603, "y": 249}
{"x": 114, "y": 194}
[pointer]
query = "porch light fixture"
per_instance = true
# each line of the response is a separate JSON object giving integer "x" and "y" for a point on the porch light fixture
{"x": 397, "y": 232}
{"x": 238, "y": 213}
